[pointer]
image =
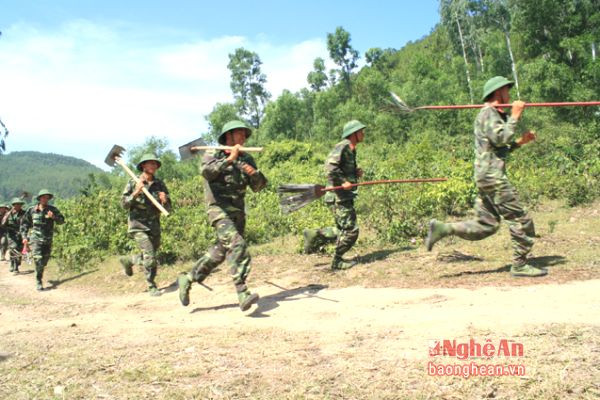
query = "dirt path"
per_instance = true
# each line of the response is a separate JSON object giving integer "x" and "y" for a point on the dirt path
{"x": 329, "y": 313}
{"x": 367, "y": 326}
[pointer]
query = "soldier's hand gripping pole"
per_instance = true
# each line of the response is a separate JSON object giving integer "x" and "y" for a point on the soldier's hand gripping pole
{"x": 114, "y": 157}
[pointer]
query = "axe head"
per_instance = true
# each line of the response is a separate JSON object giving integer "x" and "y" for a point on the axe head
{"x": 116, "y": 151}
{"x": 185, "y": 151}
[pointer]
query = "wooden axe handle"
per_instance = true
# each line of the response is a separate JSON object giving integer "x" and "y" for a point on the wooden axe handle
{"x": 197, "y": 148}
{"x": 146, "y": 192}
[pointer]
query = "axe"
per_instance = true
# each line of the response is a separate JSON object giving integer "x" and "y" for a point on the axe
{"x": 190, "y": 149}
{"x": 114, "y": 157}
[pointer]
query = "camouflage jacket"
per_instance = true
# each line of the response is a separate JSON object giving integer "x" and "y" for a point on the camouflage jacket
{"x": 11, "y": 223}
{"x": 494, "y": 140}
{"x": 340, "y": 167}
{"x": 41, "y": 226}
{"x": 143, "y": 215}
{"x": 225, "y": 184}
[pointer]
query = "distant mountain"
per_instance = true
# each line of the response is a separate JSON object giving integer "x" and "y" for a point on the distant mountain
{"x": 31, "y": 171}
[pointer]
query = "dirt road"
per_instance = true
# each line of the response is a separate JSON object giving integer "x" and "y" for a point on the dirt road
{"x": 80, "y": 343}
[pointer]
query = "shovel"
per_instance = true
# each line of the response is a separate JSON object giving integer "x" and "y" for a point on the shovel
{"x": 192, "y": 148}
{"x": 293, "y": 197}
{"x": 114, "y": 157}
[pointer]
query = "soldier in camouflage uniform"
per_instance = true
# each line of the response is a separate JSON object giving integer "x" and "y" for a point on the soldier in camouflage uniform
{"x": 227, "y": 174}
{"x": 11, "y": 222}
{"x": 40, "y": 219}
{"x": 495, "y": 138}
{"x": 4, "y": 208}
{"x": 342, "y": 170}
{"x": 144, "y": 219}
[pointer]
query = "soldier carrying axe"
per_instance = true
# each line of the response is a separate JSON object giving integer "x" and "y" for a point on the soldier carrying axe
{"x": 227, "y": 173}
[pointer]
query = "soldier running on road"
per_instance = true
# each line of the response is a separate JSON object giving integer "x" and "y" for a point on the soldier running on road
{"x": 144, "y": 219}
{"x": 497, "y": 199}
{"x": 227, "y": 174}
{"x": 37, "y": 228}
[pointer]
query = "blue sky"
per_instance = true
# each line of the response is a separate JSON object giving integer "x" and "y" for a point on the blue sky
{"x": 78, "y": 76}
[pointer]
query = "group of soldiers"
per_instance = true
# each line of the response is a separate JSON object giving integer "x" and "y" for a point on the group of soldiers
{"x": 31, "y": 230}
{"x": 228, "y": 173}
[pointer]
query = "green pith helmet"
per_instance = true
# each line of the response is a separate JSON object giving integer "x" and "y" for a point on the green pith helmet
{"x": 17, "y": 200}
{"x": 4, "y": 206}
{"x": 231, "y": 125}
{"x": 147, "y": 157}
{"x": 43, "y": 192}
{"x": 351, "y": 127}
{"x": 494, "y": 84}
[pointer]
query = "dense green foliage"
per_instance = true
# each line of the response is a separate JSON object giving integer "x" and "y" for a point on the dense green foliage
{"x": 31, "y": 171}
{"x": 552, "y": 43}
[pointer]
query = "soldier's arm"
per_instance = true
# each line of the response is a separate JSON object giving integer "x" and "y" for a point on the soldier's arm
{"x": 257, "y": 181}
{"x": 26, "y": 224}
{"x": 213, "y": 166}
{"x": 59, "y": 218}
{"x": 500, "y": 133}
{"x": 168, "y": 205}
{"x": 127, "y": 198}
{"x": 333, "y": 166}
{"x": 4, "y": 219}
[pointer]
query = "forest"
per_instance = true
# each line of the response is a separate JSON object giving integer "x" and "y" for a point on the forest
{"x": 547, "y": 47}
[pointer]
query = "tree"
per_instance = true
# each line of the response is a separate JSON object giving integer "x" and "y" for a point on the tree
{"x": 219, "y": 116}
{"x": 490, "y": 14}
{"x": 342, "y": 53}
{"x": 3, "y": 132}
{"x": 248, "y": 84}
{"x": 158, "y": 147}
{"x": 317, "y": 79}
{"x": 453, "y": 12}
{"x": 3, "y": 135}
{"x": 373, "y": 55}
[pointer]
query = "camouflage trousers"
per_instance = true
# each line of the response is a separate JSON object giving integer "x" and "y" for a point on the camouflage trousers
{"x": 148, "y": 243}
{"x": 41, "y": 255}
{"x": 345, "y": 233}
{"x": 492, "y": 205}
{"x": 3, "y": 245}
{"x": 15, "y": 247}
{"x": 230, "y": 245}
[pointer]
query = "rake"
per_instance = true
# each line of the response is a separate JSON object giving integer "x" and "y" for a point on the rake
{"x": 401, "y": 106}
{"x": 293, "y": 197}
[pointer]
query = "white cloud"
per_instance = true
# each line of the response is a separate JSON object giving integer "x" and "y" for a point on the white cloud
{"x": 84, "y": 87}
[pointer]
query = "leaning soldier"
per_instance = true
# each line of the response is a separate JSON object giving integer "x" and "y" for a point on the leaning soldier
{"x": 37, "y": 228}
{"x": 495, "y": 138}
{"x": 227, "y": 174}
{"x": 12, "y": 224}
{"x": 342, "y": 170}
{"x": 4, "y": 209}
{"x": 144, "y": 218}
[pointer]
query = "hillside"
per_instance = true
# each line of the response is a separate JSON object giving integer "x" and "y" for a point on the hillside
{"x": 31, "y": 171}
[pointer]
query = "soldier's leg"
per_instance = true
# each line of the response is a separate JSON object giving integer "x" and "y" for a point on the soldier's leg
{"x": 210, "y": 260}
{"x": 345, "y": 219}
{"x": 16, "y": 247}
{"x": 239, "y": 259}
{"x": 203, "y": 267}
{"x": 486, "y": 224}
{"x": 3, "y": 247}
{"x": 146, "y": 245}
{"x": 522, "y": 231}
{"x": 37, "y": 251}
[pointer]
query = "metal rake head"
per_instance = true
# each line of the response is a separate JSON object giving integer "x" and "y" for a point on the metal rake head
{"x": 116, "y": 151}
{"x": 399, "y": 104}
{"x": 293, "y": 197}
